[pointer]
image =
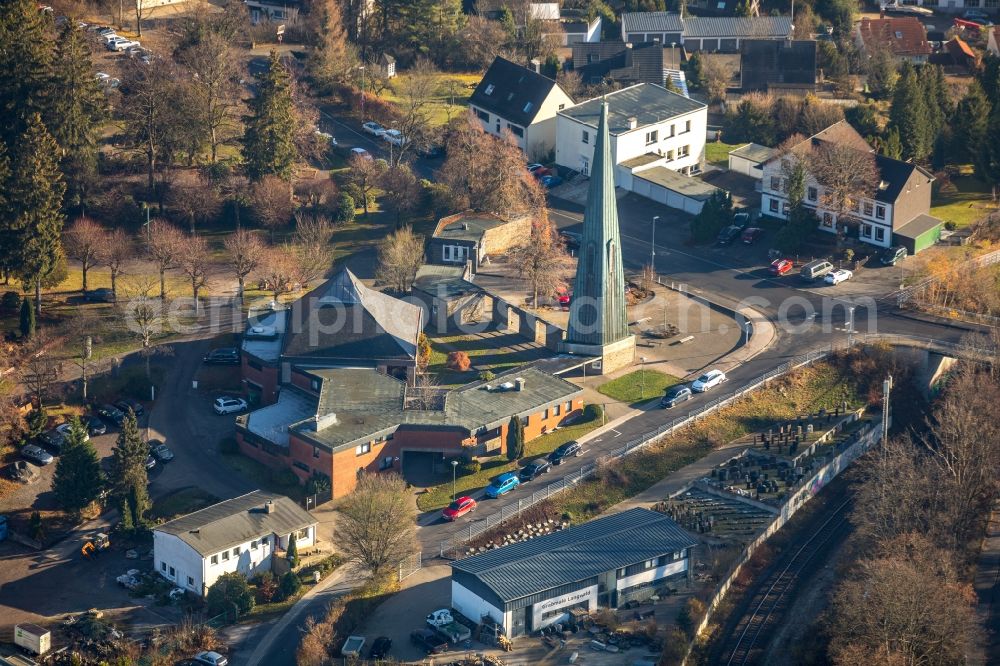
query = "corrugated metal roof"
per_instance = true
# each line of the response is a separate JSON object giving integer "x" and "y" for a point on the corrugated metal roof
{"x": 648, "y": 103}
{"x": 701, "y": 27}
{"x": 237, "y": 521}
{"x": 651, "y": 22}
{"x": 577, "y": 553}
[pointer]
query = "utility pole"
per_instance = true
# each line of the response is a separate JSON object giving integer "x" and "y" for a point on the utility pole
{"x": 642, "y": 378}
{"x": 850, "y": 326}
{"x": 652, "y": 246}
{"x": 886, "y": 390}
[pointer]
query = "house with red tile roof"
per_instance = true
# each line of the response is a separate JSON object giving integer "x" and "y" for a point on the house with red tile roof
{"x": 961, "y": 53}
{"x": 904, "y": 36}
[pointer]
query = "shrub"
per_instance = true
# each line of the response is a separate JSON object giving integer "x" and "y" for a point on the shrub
{"x": 290, "y": 585}
{"x": 284, "y": 477}
{"x": 848, "y": 254}
{"x": 487, "y": 376}
{"x": 292, "y": 554}
{"x": 230, "y": 591}
{"x": 38, "y": 421}
{"x": 345, "y": 208}
{"x": 459, "y": 360}
{"x": 267, "y": 587}
{"x": 593, "y": 413}
{"x": 11, "y": 301}
{"x": 228, "y": 446}
{"x": 472, "y": 466}
{"x": 949, "y": 225}
{"x": 317, "y": 484}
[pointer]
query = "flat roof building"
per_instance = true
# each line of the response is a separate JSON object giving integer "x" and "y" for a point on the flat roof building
{"x": 605, "y": 562}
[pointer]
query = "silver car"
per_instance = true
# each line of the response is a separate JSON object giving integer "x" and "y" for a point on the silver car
{"x": 37, "y": 454}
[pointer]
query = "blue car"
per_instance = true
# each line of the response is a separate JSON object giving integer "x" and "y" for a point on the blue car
{"x": 551, "y": 181}
{"x": 502, "y": 485}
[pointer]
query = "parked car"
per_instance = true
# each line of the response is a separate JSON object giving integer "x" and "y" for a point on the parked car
{"x": 126, "y": 404}
{"x": 780, "y": 267}
{"x": 571, "y": 448}
{"x": 111, "y": 414}
{"x": 428, "y": 641}
{"x": 229, "y": 405}
{"x": 52, "y": 440}
{"x": 534, "y": 168}
{"x": 211, "y": 659}
{"x": 64, "y": 428}
{"x": 709, "y": 380}
{"x": 150, "y": 462}
{"x": 111, "y": 40}
{"x": 838, "y": 276}
{"x": 362, "y": 153}
{"x": 674, "y": 395}
{"x": 160, "y": 451}
{"x": 893, "y": 255}
{"x": 814, "y": 270}
{"x": 373, "y": 128}
{"x": 95, "y": 426}
{"x": 741, "y": 220}
{"x": 751, "y": 235}
{"x": 102, "y": 295}
{"x": 222, "y": 356}
{"x": 101, "y": 78}
{"x": 502, "y": 485}
{"x": 571, "y": 239}
{"x": 380, "y": 648}
{"x": 123, "y": 44}
{"x": 432, "y": 151}
{"x": 728, "y": 235}
{"x": 459, "y": 508}
{"x": 395, "y": 137}
{"x": 534, "y": 469}
{"x": 551, "y": 181}
{"x": 37, "y": 454}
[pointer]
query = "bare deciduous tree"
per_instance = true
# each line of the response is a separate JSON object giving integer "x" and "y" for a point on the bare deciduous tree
{"x": 365, "y": 174}
{"x": 312, "y": 244}
{"x": 272, "y": 202}
{"x": 717, "y": 77}
{"x": 142, "y": 313}
{"x": 246, "y": 250}
{"x": 194, "y": 262}
{"x": 215, "y": 87}
{"x": 165, "y": 247}
{"x": 402, "y": 190}
{"x": 152, "y": 119}
{"x": 196, "y": 198}
{"x": 542, "y": 260}
{"x": 571, "y": 82}
{"x": 116, "y": 253}
{"x": 415, "y": 93}
{"x": 83, "y": 241}
{"x": 279, "y": 270}
{"x": 399, "y": 257}
{"x": 847, "y": 175}
{"x": 375, "y": 525}
{"x": 39, "y": 369}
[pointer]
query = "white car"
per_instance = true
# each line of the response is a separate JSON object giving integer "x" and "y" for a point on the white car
{"x": 229, "y": 405}
{"x": 109, "y": 36}
{"x": 362, "y": 153}
{"x": 838, "y": 276}
{"x": 123, "y": 44}
{"x": 111, "y": 42}
{"x": 373, "y": 128}
{"x": 65, "y": 427}
{"x": 395, "y": 137}
{"x": 102, "y": 76}
{"x": 211, "y": 659}
{"x": 710, "y": 379}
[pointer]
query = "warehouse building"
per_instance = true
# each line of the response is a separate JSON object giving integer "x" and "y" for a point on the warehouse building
{"x": 607, "y": 562}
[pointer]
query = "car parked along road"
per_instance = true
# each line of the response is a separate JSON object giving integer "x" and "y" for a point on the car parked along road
{"x": 709, "y": 380}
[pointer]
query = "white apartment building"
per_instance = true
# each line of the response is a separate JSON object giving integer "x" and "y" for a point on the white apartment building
{"x": 241, "y": 534}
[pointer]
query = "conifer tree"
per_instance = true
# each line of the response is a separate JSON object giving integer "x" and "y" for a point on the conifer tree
{"x": 27, "y": 322}
{"x": 128, "y": 473}
{"x": 515, "y": 438}
{"x": 77, "y": 480}
{"x": 971, "y": 120}
{"x": 269, "y": 137}
{"x": 332, "y": 61}
{"x": 910, "y": 117}
{"x": 25, "y": 66}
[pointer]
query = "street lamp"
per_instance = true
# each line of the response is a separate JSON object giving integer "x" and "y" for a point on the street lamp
{"x": 642, "y": 378}
{"x": 454, "y": 466}
{"x": 850, "y": 326}
{"x": 652, "y": 246}
{"x": 364, "y": 85}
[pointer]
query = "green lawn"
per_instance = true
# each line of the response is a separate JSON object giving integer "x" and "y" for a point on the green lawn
{"x": 717, "y": 152}
{"x": 180, "y": 502}
{"x": 638, "y": 386}
{"x": 439, "y": 496}
{"x": 971, "y": 201}
{"x": 450, "y": 100}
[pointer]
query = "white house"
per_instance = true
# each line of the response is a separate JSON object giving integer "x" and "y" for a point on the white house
{"x": 519, "y": 101}
{"x": 902, "y": 194}
{"x": 241, "y": 534}
{"x": 649, "y": 127}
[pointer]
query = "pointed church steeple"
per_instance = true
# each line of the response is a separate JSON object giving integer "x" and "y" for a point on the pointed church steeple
{"x": 597, "y": 311}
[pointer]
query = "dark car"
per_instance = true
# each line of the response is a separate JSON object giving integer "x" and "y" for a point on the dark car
{"x": 430, "y": 152}
{"x": 566, "y": 450}
{"x": 751, "y": 234}
{"x": 126, "y": 404}
{"x": 95, "y": 426}
{"x": 571, "y": 239}
{"x": 53, "y": 440}
{"x": 534, "y": 469}
{"x": 741, "y": 219}
{"x": 728, "y": 235}
{"x": 893, "y": 255}
{"x": 428, "y": 641}
{"x": 675, "y": 395}
{"x": 102, "y": 295}
{"x": 224, "y": 356}
{"x": 111, "y": 414}
{"x": 380, "y": 648}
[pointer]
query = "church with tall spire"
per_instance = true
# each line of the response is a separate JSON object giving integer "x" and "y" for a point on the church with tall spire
{"x": 597, "y": 322}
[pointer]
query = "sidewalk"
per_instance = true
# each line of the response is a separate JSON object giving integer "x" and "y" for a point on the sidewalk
{"x": 987, "y": 584}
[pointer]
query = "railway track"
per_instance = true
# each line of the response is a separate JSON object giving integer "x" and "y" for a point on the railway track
{"x": 767, "y": 606}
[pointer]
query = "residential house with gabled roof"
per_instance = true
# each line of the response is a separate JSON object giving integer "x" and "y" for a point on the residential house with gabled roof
{"x": 619, "y": 62}
{"x": 241, "y": 535}
{"x": 901, "y": 197}
{"x": 904, "y": 36}
{"x": 515, "y": 100}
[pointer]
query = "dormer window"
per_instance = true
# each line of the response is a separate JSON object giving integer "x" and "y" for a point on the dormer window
{"x": 899, "y": 35}
{"x": 528, "y": 107}
{"x": 489, "y": 89}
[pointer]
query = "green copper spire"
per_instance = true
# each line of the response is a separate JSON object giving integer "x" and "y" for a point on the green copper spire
{"x": 597, "y": 311}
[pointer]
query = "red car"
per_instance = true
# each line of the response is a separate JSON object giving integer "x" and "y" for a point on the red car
{"x": 780, "y": 266}
{"x": 459, "y": 508}
{"x": 751, "y": 234}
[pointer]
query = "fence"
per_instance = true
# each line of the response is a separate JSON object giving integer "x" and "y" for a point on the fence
{"x": 448, "y": 548}
{"x": 806, "y": 491}
{"x": 410, "y": 565}
{"x": 904, "y": 296}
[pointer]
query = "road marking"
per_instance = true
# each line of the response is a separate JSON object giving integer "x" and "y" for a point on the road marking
{"x": 617, "y": 434}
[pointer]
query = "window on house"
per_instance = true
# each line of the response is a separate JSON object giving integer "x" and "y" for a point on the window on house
{"x": 671, "y": 132}
{"x": 649, "y": 564}
{"x": 386, "y": 463}
{"x": 879, "y": 234}
{"x": 584, "y": 166}
{"x": 562, "y": 106}
{"x": 869, "y": 208}
{"x": 515, "y": 130}
{"x": 652, "y": 137}
{"x": 482, "y": 115}
{"x": 300, "y": 465}
{"x": 827, "y": 220}
{"x": 215, "y": 559}
{"x": 687, "y": 125}
{"x": 866, "y": 230}
{"x": 254, "y": 544}
{"x": 556, "y": 410}
{"x": 683, "y": 151}
{"x": 545, "y": 413}
{"x": 236, "y": 551}
{"x": 190, "y": 581}
{"x": 585, "y": 137}
{"x": 784, "y": 208}
{"x": 773, "y": 205}
{"x": 489, "y": 89}
{"x": 362, "y": 449}
{"x": 785, "y": 165}
{"x": 172, "y": 572}
{"x": 163, "y": 566}
{"x": 315, "y": 452}
{"x": 456, "y": 253}
{"x": 524, "y": 420}
{"x": 670, "y": 156}
{"x": 879, "y": 212}
{"x": 225, "y": 556}
{"x": 775, "y": 183}
{"x": 813, "y": 194}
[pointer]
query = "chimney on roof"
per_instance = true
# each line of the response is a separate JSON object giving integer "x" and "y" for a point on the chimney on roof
{"x": 628, "y": 45}
{"x": 519, "y": 383}
{"x": 633, "y": 122}
{"x": 324, "y": 421}
{"x": 268, "y": 506}
{"x": 536, "y": 65}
